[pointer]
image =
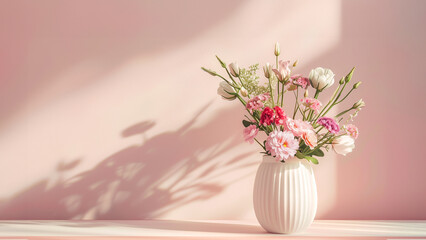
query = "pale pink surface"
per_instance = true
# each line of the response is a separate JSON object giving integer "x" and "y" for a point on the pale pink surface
{"x": 92, "y": 92}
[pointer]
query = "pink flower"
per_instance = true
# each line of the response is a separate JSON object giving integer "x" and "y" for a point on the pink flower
{"x": 257, "y": 102}
{"x": 297, "y": 127}
{"x": 300, "y": 81}
{"x": 267, "y": 117}
{"x": 312, "y": 103}
{"x": 283, "y": 70}
{"x": 310, "y": 138}
{"x": 352, "y": 130}
{"x": 280, "y": 117}
{"x": 250, "y": 133}
{"x": 281, "y": 145}
{"x": 329, "y": 124}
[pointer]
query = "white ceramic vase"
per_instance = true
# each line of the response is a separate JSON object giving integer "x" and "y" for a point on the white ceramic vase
{"x": 285, "y": 195}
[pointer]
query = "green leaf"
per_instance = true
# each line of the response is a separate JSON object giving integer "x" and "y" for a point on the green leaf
{"x": 318, "y": 152}
{"x": 247, "y": 123}
{"x": 312, "y": 159}
{"x": 300, "y": 155}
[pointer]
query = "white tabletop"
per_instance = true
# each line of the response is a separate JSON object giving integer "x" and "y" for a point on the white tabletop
{"x": 167, "y": 228}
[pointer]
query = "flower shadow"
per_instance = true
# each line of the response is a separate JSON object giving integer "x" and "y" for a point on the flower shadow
{"x": 143, "y": 181}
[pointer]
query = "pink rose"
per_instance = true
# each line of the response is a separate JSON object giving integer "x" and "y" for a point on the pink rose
{"x": 298, "y": 127}
{"x": 250, "y": 133}
{"x": 310, "y": 139}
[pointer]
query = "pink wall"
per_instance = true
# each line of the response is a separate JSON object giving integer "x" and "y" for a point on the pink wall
{"x": 105, "y": 114}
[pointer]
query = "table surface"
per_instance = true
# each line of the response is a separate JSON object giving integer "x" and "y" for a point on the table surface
{"x": 331, "y": 229}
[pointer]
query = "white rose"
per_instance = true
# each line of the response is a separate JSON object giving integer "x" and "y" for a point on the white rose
{"x": 234, "y": 69}
{"x": 343, "y": 145}
{"x": 321, "y": 78}
{"x": 224, "y": 90}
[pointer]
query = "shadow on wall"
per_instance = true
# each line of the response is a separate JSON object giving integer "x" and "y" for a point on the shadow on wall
{"x": 141, "y": 181}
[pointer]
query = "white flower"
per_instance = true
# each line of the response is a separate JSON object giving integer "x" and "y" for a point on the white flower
{"x": 267, "y": 69}
{"x": 224, "y": 90}
{"x": 234, "y": 69}
{"x": 321, "y": 78}
{"x": 343, "y": 145}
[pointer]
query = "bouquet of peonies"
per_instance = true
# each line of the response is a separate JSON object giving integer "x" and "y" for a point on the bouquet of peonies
{"x": 308, "y": 130}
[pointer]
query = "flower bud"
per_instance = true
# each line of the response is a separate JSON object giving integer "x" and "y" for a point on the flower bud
{"x": 243, "y": 92}
{"x": 342, "y": 81}
{"x": 277, "y": 49}
{"x": 267, "y": 70}
{"x": 349, "y": 76}
{"x": 295, "y": 63}
{"x": 306, "y": 93}
{"x": 356, "y": 85}
{"x": 221, "y": 62}
{"x": 213, "y": 73}
{"x": 358, "y": 105}
{"x": 234, "y": 69}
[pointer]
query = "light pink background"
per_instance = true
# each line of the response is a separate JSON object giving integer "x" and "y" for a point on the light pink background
{"x": 105, "y": 113}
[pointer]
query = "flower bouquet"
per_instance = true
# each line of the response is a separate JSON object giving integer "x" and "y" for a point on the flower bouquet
{"x": 292, "y": 138}
{"x": 307, "y": 130}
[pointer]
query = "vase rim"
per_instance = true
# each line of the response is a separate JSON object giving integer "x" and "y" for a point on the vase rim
{"x": 270, "y": 159}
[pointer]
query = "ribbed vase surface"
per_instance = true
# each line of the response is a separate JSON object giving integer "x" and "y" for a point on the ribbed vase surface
{"x": 285, "y": 195}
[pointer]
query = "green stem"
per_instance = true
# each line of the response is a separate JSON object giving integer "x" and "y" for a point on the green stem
{"x": 229, "y": 74}
{"x": 340, "y": 114}
{"x": 272, "y": 95}
{"x": 248, "y": 95}
{"x": 296, "y": 104}
{"x": 334, "y": 102}
{"x": 329, "y": 102}
{"x": 345, "y": 96}
{"x": 260, "y": 144}
{"x": 319, "y": 129}
{"x": 320, "y": 144}
{"x": 311, "y": 112}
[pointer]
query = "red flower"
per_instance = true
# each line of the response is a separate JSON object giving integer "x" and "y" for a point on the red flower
{"x": 267, "y": 117}
{"x": 280, "y": 117}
